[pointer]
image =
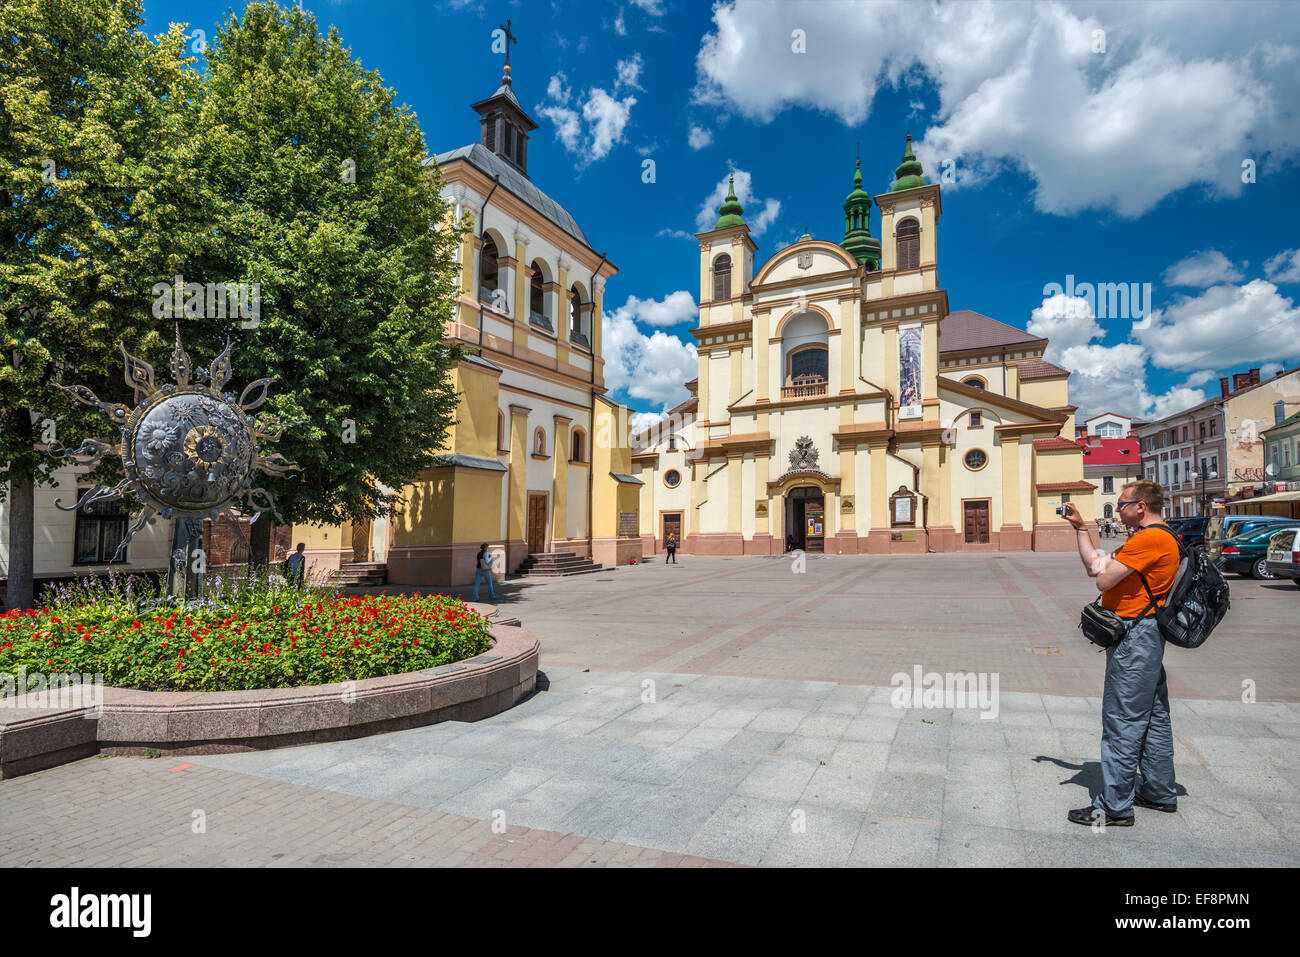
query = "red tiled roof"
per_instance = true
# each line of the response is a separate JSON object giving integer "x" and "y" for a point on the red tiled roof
{"x": 1055, "y": 442}
{"x": 1064, "y": 486}
{"x": 690, "y": 405}
{"x": 1111, "y": 451}
{"x": 1039, "y": 369}
{"x": 965, "y": 329}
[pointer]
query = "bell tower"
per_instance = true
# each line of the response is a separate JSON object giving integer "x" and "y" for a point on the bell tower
{"x": 857, "y": 225}
{"x": 726, "y": 263}
{"x": 505, "y": 124}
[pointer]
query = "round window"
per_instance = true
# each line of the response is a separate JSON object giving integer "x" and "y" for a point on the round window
{"x": 976, "y": 460}
{"x": 672, "y": 478}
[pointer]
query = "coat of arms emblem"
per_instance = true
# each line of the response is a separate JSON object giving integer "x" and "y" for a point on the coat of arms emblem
{"x": 805, "y": 260}
{"x": 804, "y": 456}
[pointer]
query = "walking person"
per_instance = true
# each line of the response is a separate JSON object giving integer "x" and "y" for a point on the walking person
{"x": 483, "y": 571}
{"x": 670, "y": 543}
{"x": 296, "y": 565}
{"x": 1136, "y": 734}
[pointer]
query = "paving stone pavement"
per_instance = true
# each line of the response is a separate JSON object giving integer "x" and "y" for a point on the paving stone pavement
{"x": 661, "y": 769}
{"x": 737, "y": 713}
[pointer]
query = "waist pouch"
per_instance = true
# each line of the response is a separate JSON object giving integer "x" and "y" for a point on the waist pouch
{"x": 1102, "y": 626}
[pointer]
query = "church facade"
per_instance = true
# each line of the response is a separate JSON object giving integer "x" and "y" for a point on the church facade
{"x": 522, "y": 468}
{"x": 841, "y": 408}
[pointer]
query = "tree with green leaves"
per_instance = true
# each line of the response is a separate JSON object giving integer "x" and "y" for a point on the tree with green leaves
{"x": 286, "y": 167}
{"x": 332, "y": 210}
{"x": 100, "y": 196}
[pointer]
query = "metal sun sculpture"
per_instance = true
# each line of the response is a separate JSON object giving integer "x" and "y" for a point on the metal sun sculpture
{"x": 188, "y": 450}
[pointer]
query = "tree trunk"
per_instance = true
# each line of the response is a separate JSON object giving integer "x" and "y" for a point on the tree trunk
{"x": 259, "y": 542}
{"x": 22, "y": 526}
{"x": 22, "y": 523}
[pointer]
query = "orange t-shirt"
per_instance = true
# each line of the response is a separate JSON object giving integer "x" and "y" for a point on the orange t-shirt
{"x": 1154, "y": 553}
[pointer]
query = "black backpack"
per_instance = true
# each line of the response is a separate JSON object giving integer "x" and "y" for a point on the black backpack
{"x": 1197, "y": 600}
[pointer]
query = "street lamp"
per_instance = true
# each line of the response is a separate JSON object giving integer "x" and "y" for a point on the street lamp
{"x": 1196, "y": 477}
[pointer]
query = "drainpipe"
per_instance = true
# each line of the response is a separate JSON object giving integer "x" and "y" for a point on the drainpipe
{"x": 482, "y": 226}
{"x": 591, "y": 422}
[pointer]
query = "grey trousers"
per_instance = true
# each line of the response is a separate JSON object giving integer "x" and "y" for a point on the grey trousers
{"x": 1135, "y": 729}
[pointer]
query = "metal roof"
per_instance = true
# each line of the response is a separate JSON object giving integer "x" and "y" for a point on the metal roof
{"x": 484, "y": 160}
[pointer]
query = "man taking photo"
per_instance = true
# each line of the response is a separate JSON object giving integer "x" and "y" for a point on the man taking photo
{"x": 1135, "y": 728}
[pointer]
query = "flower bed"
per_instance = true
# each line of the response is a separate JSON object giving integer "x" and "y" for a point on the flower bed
{"x": 266, "y": 638}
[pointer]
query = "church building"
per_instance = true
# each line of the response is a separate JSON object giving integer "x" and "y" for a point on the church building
{"x": 523, "y": 468}
{"x": 841, "y": 408}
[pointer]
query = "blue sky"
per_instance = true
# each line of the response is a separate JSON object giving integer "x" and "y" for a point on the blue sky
{"x": 1094, "y": 140}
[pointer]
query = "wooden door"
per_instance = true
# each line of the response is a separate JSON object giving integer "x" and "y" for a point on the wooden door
{"x": 672, "y": 526}
{"x": 537, "y": 523}
{"x": 361, "y": 532}
{"x": 976, "y": 522}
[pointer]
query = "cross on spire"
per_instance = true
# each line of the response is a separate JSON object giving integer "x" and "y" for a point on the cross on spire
{"x": 510, "y": 38}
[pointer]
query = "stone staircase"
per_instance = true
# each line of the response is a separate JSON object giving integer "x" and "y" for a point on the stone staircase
{"x": 363, "y": 574}
{"x": 557, "y": 564}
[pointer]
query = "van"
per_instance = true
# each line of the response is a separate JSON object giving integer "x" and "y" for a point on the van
{"x": 1226, "y": 526}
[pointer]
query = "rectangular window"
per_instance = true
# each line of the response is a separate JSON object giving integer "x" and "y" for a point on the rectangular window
{"x": 1286, "y": 455}
{"x": 1108, "y": 484}
{"x": 1202, "y": 430}
{"x": 100, "y": 528}
{"x": 1214, "y": 463}
{"x": 975, "y": 420}
{"x": 1214, "y": 423}
{"x": 1065, "y": 497}
{"x": 1175, "y": 473}
{"x": 1184, "y": 433}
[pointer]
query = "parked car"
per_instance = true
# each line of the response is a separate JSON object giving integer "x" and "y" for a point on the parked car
{"x": 1284, "y": 554}
{"x": 1247, "y": 553}
{"x": 1191, "y": 530}
{"x": 1227, "y": 526}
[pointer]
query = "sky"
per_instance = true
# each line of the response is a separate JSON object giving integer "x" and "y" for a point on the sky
{"x": 1074, "y": 143}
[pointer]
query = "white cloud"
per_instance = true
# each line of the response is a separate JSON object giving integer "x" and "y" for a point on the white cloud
{"x": 675, "y": 307}
{"x": 1230, "y": 324}
{"x": 1019, "y": 85}
{"x": 605, "y": 116}
{"x": 640, "y": 421}
{"x": 676, "y": 234}
{"x": 1201, "y": 377}
{"x": 652, "y": 8}
{"x": 1269, "y": 369}
{"x": 1067, "y": 321}
{"x": 652, "y": 368}
{"x": 1205, "y": 267}
{"x": 1105, "y": 378}
{"x": 620, "y": 26}
{"x": 629, "y": 73}
{"x": 1284, "y": 267}
{"x": 758, "y": 221}
{"x": 699, "y": 138}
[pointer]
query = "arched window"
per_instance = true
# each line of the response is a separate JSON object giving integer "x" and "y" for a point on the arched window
{"x": 488, "y": 266}
{"x": 539, "y": 442}
{"x": 974, "y": 382}
{"x": 908, "y": 238}
{"x": 536, "y": 296}
{"x": 808, "y": 363}
{"x": 578, "y": 440}
{"x": 575, "y": 315}
{"x": 722, "y": 277}
{"x": 1108, "y": 511}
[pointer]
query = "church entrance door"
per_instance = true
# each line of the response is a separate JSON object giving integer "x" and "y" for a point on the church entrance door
{"x": 805, "y": 519}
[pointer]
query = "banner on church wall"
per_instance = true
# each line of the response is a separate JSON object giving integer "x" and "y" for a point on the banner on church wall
{"x": 909, "y": 373}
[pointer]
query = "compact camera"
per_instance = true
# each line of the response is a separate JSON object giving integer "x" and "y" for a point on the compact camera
{"x": 1063, "y": 511}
